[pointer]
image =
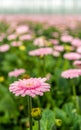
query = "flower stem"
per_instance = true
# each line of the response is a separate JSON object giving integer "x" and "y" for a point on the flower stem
{"x": 75, "y": 99}
{"x": 38, "y": 124}
{"x": 29, "y": 111}
{"x": 43, "y": 66}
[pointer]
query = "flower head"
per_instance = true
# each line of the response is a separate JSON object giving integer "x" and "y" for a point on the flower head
{"x": 12, "y": 37}
{"x": 40, "y": 41}
{"x": 4, "y": 48}
{"x": 22, "y": 29}
{"x": 59, "y": 48}
{"x": 71, "y": 73}
{"x": 76, "y": 42}
{"x": 72, "y": 56}
{"x": 30, "y": 87}
{"x": 41, "y": 51}
{"x": 77, "y": 63}
{"x": 58, "y": 122}
{"x": 36, "y": 113}
{"x": 16, "y": 72}
{"x": 16, "y": 44}
{"x": 66, "y": 38}
{"x": 78, "y": 50}
{"x": 25, "y": 37}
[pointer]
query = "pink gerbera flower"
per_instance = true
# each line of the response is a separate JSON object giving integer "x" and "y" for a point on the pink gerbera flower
{"x": 30, "y": 87}
{"x": 76, "y": 42}
{"x": 4, "y": 48}
{"x": 16, "y": 72}
{"x": 77, "y": 63}
{"x": 16, "y": 43}
{"x": 25, "y": 37}
{"x": 79, "y": 49}
{"x": 41, "y": 51}
{"x": 40, "y": 41}
{"x": 59, "y": 48}
{"x": 71, "y": 73}
{"x": 56, "y": 53}
{"x": 22, "y": 29}
{"x": 72, "y": 56}
{"x": 54, "y": 41}
{"x": 12, "y": 36}
{"x": 66, "y": 38}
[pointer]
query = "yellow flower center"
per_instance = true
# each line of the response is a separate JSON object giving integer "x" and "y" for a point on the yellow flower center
{"x": 29, "y": 85}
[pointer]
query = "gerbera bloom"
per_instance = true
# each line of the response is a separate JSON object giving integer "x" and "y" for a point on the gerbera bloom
{"x": 12, "y": 37}
{"x": 41, "y": 51}
{"x": 40, "y": 41}
{"x": 72, "y": 56}
{"x": 30, "y": 87}
{"x": 66, "y": 38}
{"x": 56, "y": 53}
{"x": 16, "y": 43}
{"x": 54, "y": 41}
{"x": 59, "y": 48}
{"x": 4, "y": 48}
{"x": 25, "y": 37}
{"x": 71, "y": 73}
{"x": 22, "y": 29}
{"x": 77, "y": 63}
{"x": 78, "y": 50}
{"x": 76, "y": 42}
{"x": 16, "y": 72}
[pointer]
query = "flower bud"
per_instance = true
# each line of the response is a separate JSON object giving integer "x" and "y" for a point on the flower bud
{"x": 36, "y": 113}
{"x": 58, "y": 122}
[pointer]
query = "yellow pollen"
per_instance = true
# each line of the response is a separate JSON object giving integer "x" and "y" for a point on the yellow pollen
{"x": 29, "y": 85}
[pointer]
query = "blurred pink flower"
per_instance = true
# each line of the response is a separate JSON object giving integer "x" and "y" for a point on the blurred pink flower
{"x": 66, "y": 38}
{"x": 22, "y": 29}
{"x": 16, "y": 72}
{"x": 4, "y": 48}
{"x": 54, "y": 41}
{"x": 78, "y": 49}
{"x": 41, "y": 51}
{"x": 40, "y": 41}
{"x": 12, "y": 37}
{"x": 76, "y": 42}
{"x": 71, "y": 73}
{"x": 25, "y": 37}
{"x": 30, "y": 87}
{"x": 59, "y": 48}
{"x": 72, "y": 56}
{"x": 56, "y": 53}
{"x": 77, "y": 63}
{"x": 16, "y": 43}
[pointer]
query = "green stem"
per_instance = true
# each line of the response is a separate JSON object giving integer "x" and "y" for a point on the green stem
{"x": 75, "y": 99}
{"x": 38, "y": 124}
{"x": 29, "y": 110}
{"x": 43, "y": 66}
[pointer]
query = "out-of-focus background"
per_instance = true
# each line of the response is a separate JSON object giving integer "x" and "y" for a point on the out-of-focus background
{"x": 40, "y": 6}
